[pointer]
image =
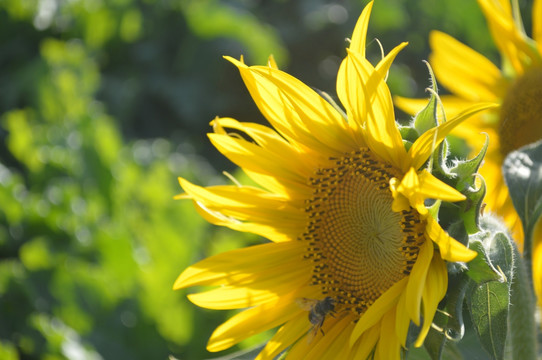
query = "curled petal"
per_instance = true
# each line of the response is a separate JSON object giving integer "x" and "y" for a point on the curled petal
{"x": 450, "y": 249}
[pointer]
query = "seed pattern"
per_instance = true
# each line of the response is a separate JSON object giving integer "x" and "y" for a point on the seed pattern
{"x": 521, "y": 112}
{"x": 359, "y": 247}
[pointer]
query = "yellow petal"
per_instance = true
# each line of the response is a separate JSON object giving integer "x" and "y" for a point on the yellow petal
{"x": 410, "y": 106}
{"x": 336, "y": 332}
{"x": 272, "y": 105}
{"x": 388, "y": 347}
{"x": 402, "y": 320}
{"x": 357, "y": 43}
{"x": 253, "y": 321}
{"x": 408, "y": 189}
{"x": 268, "y": 139}
{"x": 349, "y": 89}
{"x": 353, "y": 87}
{"x": 285, "y": 336}
{"x": 381, "y": 306}
{"x": 462, "y": 70}
{"x": 233, "y": 199}
{"x": 322, "y": 120}
{"x": 292, "y": 190}
{"x": 537, "y": 260}
{"x": 453, "y": 105}
{"x": 242, "y": 264}
{"x": 424, "y": 146}
{"x": 537, "y": 23}
{"x": 433, "y": 188}
{"x": 246, "y": 208}
{"x": 295, "y": 110}
{"x": 416, "y": 282}
{"x": 382, "y": 134}
{"x": 269, "y": 231}
{"x": 365, "y": 345}
{"x": 251, "y": 156}
{"x": 509, "y": 36}
{"x": 271, "y": 62}
{"x": 335, "y": 340}
{"x": 384, "y": 65}
{"x": 400, "y": 202}
{"x": 416, "y": 187}
{"x": 350, "y": 92}
{"x": 270, "y": 287}
{"x": 450, "y": 249}
{"x": 434, "y": 290}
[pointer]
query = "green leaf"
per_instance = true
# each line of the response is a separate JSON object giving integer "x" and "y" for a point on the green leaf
{"x": 8, "y": 351}
{"x": 523, "y": 175}
{"x": 22, "y": 138}
{"x": 434, "y": 344}
{"x": 211, "y": 18}
{"x": 489, "y": 310}
{"x": 489, "y": 302}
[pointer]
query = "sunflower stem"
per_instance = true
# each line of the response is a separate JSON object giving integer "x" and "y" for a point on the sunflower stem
{"x": 522, "y": 327}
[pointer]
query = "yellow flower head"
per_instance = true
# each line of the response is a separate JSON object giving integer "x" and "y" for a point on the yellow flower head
{"x": 517, "y": 87}
{"x": 354, "y": 253}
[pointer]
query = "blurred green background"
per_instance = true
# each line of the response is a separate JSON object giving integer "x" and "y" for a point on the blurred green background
{"x": 103, "y": 104}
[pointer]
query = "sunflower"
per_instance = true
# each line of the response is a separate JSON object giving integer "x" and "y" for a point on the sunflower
{"x": 472, "y": 78}
{"x": 354, "y": 255}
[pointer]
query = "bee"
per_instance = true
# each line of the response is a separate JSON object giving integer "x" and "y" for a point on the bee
{"x": 318, "y": 310}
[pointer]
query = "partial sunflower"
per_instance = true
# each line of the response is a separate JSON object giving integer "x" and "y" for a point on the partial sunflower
{"x": 354, "y": 252}
{"x": 517, "y": 87}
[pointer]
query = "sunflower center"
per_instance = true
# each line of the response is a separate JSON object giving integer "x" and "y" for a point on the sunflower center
{"x": 521, "y": 112}
{"x": 358, "y": 245}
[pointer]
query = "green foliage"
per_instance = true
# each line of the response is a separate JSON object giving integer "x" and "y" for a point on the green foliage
{"x": 523, "y": 177}
{"x": 91, "y": 239}
{"x": 210, "y": 18}
{"x": 489, "y": 301}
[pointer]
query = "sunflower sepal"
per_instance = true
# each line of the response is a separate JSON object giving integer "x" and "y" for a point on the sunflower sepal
{"x": 463, "y": 177}
{"x": 462, "y": 170}
{"x": 481, "y": 268}
{"x": 427, "y": 118}
{"x": 409, "y": 135}
{"x": 471, "y": 209}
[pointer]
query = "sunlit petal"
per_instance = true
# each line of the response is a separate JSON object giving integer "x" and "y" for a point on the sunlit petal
{"x": 450, "y": 249}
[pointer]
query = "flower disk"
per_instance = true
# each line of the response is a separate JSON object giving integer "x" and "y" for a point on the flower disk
{"x": 358, "y": 245}
{"x": 521, "y": 111}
